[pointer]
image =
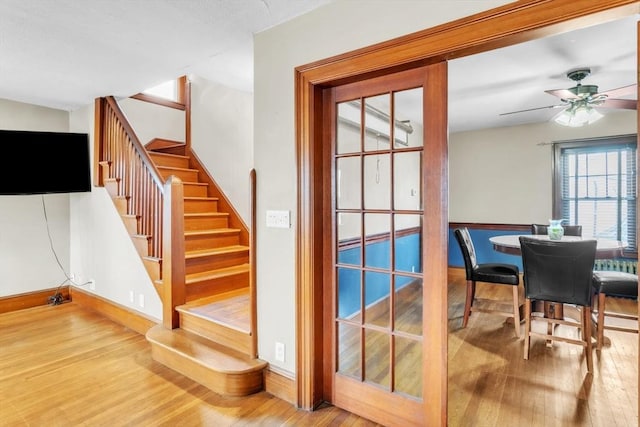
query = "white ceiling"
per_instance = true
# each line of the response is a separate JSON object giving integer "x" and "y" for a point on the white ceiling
{"x": 65, "y": 53}
{"x": 483, "y": 86}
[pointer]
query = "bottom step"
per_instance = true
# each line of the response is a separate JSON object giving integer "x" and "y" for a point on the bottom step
{"x": 218, "y": 368}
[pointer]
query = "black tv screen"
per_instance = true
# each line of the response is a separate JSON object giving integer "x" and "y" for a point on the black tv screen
{"x": 44, "y": 162}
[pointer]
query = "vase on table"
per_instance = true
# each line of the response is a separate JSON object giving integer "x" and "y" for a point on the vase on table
{"x": 555, "y": 229}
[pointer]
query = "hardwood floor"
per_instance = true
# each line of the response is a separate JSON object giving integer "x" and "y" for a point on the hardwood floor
{"x": 67, "y": 366}
{"x": 490, "y": 384}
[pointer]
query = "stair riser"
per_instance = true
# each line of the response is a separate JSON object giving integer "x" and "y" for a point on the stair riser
{"x": 184, "y": 175}
{"x": 216, "y": 286}
{"x": 141, "y": 243}
{"x": 200, "y": 206}
{"x": 221, "y": 383}
{"x": 191, "y": 190}
{"x": 170, "y": 161}
{"x": 214, "y": 262}
{"x": 196, "y": 243}
{"x": 153, "y": 267}
{"x": 234, "y": 339}
{"x": 206, "y": 223}
{"x": 131, "y": 224}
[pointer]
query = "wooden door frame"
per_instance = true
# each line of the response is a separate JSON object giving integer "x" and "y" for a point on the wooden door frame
{"x": 503, "y": 26}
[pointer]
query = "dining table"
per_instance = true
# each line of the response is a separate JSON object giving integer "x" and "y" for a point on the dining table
{"x": 510, "y": 244}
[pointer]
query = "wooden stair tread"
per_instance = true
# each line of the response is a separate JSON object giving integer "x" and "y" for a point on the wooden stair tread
{"x": 173, "y": 168}
{"x": 218, "y": 273}
{"x": 205, "y": 214}
{"x": 228, "y": 309}
{"x": 212, "y": 231}
{"x": 194, "y": 198}
{"x": 243, "y": 292}
{"x": 170, "y": 155}
{"x": 204, "y": 351}
{"x": 216, "y": 251}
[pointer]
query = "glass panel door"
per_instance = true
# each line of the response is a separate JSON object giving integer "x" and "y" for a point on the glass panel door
{"x": 378, "y": 163}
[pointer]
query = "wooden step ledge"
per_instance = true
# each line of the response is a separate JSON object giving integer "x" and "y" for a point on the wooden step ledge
{"x": 218, "y": 368}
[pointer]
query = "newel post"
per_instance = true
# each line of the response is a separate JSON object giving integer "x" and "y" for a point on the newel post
{"x": 173, "y": 262}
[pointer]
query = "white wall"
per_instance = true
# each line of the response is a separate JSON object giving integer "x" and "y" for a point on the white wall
{"x": 101, "y": 248}
{"x": 27, "y": 261}
{"x": 503, "y": 175}
{"x": 222, "y": 138}
{"x": 151, "y": 120}
{"x": 338, "y": 27}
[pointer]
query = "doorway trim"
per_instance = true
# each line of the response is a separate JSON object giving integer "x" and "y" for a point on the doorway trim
{"x": 503, "y": 26}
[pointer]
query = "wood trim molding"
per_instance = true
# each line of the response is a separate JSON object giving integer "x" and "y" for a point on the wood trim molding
{"x": 30, "y": 299}
{"x": 512, "y": 23}
{"x": 503, "y": 26}
{"x": 486, "y": 226}
{"x": 280, "y": 384}
{"x": 118, "y": 313}
{"x": 354, "y": 242}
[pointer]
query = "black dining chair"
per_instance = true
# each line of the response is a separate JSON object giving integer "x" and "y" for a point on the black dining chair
{"x": 559, "y": 272}
{"x": 569, "y": 230}
{"x": 498, "y": 273}
{"x": 613, "y": 284}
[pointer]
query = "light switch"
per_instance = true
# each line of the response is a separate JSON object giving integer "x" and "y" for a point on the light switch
{"x": 278, "y": 219}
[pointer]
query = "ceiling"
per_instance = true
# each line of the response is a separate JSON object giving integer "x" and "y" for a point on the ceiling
{"x": 65, "y": 53}
{"x": 483, "y": 86}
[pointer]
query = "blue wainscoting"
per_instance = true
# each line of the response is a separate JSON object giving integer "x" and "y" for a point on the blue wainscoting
{"x": 484, "y": 248}
{"x": 377, "y": 285}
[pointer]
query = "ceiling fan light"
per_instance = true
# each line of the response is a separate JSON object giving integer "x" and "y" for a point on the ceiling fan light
{"x": 580, "y": 116}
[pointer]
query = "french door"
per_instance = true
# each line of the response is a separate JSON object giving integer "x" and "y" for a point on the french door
{"x": 385, "y": 294}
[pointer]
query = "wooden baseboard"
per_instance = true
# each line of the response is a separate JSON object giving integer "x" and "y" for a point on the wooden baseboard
{"x": 114, "y": 311}
{"x": 280, "y": 384}
{"x": 31, "y": 299}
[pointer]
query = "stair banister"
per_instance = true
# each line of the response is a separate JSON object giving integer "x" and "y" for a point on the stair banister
{"x": 140, "y": 150}
{"x": 173, "y": 252}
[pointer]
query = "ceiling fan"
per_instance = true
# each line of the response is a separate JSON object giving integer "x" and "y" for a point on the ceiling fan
{"x": 579, "y": 101}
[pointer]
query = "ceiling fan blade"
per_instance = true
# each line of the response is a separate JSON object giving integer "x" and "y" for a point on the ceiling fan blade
{"x": 548, "y": 107}
{"x": 627, "y": 104}
{"x": 562, "y": 93}
{"x": 621, "y": 91}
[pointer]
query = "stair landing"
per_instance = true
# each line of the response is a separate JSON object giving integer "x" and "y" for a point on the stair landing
{"x": 230, "y": 309}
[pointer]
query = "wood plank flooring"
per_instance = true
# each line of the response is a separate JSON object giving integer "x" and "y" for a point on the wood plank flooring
{"x": 490, "y": 384}
{"x": 67, "y": 366}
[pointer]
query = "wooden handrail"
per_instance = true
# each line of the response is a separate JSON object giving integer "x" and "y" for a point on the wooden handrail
{"x": 131, "y": 171}
{"x": 142, "y": 152}
{"x": 253, "y": 309}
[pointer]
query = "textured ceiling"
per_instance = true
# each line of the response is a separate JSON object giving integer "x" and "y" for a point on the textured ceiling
{"x": 65, "y": 53}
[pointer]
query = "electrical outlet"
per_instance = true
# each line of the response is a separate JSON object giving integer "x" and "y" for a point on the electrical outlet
{"x": 141, "y": 300}
{"x": 280, "y": 352}
{"x": 92, "y": 284}
{"x": 131, "y": 297}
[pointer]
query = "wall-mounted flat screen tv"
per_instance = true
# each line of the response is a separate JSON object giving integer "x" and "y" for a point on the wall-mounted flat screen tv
{"x": 44, "y": 162}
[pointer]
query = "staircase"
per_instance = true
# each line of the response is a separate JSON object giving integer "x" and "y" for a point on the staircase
{"x": 212, "y": 342}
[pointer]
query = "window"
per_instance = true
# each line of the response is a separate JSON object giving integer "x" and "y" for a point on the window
{"x": 167, "y": 90}
{"x": 595, "y": 186}
{"x": 170, "y": 94}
